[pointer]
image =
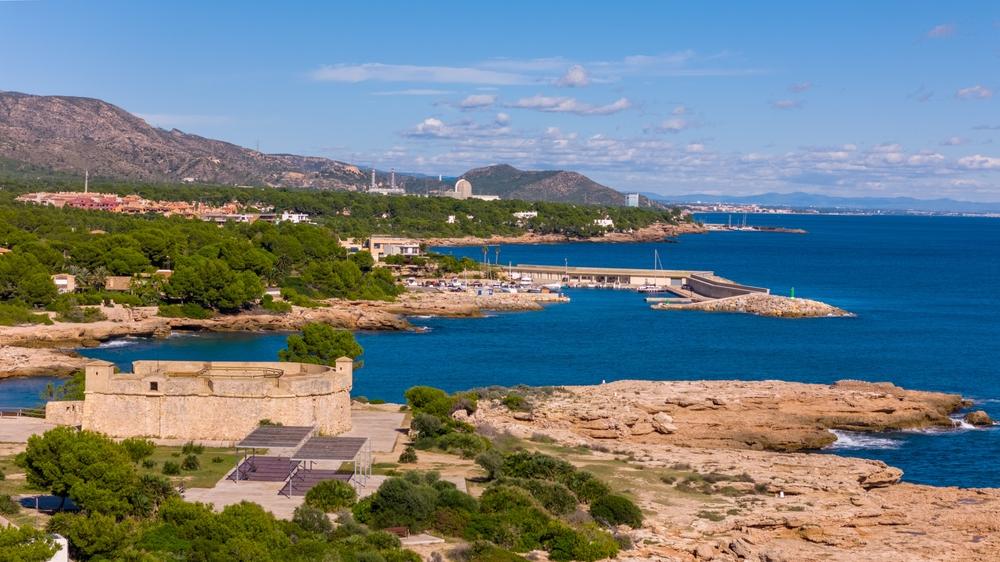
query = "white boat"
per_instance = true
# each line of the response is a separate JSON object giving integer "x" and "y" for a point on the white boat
{"x": 554, "y": 287}
{"x": 525, "y": 281}
{"x": 653, "y": 288}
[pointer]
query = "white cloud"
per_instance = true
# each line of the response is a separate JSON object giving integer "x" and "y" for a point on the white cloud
{"x": 974, "y": 92}
{"x": 434, "y": 128}
{"x": 941, "y": 31}
{"x": 953, "y": 141}
{"x": 559, "y": 104}
{"x": 413, "y": 92}
{"x": 695, "y": 147}
{"x": 786, "y": 104}
{"x": 800, "y": 87}
{"x": 673, "y": 125}
{"x": 478, "y": 101}
{"x": 414, "y": 73}
{"x": 980, "y": 162}
{"x": 575, "y": 77}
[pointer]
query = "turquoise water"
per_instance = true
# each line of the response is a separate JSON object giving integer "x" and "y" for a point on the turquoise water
{"x": 924, "y": 289}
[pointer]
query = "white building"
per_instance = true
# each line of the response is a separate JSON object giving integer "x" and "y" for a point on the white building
{"x": 604, "y": 223}
{"x": 294, "y": 218}
{"x": 525, "y": 215}
{"x": 632, "y": 200}
{"x": 381, "y": 246}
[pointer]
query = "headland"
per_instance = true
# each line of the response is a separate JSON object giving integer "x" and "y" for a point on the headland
{"x": 718, "y": 469}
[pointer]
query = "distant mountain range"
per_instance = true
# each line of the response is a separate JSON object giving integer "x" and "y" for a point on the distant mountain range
{"x": 72, "y": 134}
{"x": 800, "y": 200}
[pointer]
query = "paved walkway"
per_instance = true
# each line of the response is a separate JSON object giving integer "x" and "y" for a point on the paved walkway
{"x": 379, "y": 426}
{"x": 18, "y": 430}
{"x": 228, "y": 492}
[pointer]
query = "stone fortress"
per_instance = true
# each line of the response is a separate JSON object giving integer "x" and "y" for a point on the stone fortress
{"x": 209, "y": 401}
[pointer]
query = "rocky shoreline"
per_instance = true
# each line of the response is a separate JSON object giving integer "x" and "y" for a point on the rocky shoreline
{"x": 717, "y": 468}
{"x": 652, "y": 233}
{"x": 762, "y": 304}
{"x": 40, "y": 349}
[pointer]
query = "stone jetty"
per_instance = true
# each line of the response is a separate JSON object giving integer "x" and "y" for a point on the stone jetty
{"x": 761, "y": 304}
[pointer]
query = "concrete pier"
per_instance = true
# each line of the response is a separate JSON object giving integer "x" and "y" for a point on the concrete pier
{"x": 683, "y": 282}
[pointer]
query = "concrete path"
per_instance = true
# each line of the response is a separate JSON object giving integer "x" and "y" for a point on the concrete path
{"x": 379, "y": 426}
{"x": 18, "y": 430}
{"x": 228, "y": 492}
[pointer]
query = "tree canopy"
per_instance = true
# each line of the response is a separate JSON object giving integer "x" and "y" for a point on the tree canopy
{"x": 320, "y": 344}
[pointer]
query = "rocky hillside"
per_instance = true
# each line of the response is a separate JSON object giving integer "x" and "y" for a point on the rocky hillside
{"x": 72, "y": 134}
{"x": 550, "y": 185}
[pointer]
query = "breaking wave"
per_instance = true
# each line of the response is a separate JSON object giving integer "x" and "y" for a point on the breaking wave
{"x": 852, "y": 440}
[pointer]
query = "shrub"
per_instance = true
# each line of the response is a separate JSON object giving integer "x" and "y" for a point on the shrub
{"x": 312, "y": 519}
{"x": 190, "y": 448}
{"x": 148, "y": 463}
{"x": 268, "y": 422}
{"x": 427, "y": 425}
{"x": 400, "y": 502}
{"x": 186, "y": 310}
{"x": 8, "y": 506}
{"x": 536, "y": 465}
{"x": 268, "y": 303}
{"x": 3, "y": 475}
{"x": 170, "y": 468}
{"x": 588, "y": 544}
{"x": 492, "y": 461}
{"x": 331, "y": 495}
{"x": 15, "y": 314}
{"x": 617, "y": 510}
{"x": 586, "y": 486}
{"x": 516, "y": 402}
{"x": 430, "y": 400}
{"x": 466, "y": 444}
{"x": 218, "y": 460}
{"x": 138, "y": 448}
{"x": 409, "y": 455}
{"x": 191, "y": 462}
{"x": 553, "y": 496}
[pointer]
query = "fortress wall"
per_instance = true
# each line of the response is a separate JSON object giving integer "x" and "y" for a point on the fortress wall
{"x": 166, "y": 400}
{"x": 64, "y": 412}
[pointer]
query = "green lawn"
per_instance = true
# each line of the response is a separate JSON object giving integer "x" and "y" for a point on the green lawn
{"x": 205, "y": 477}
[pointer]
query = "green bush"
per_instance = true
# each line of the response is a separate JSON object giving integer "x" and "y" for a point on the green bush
{"x": 218, "y": 460}
{"x": 191, "y": 463}
{"x": 80, "y": 315}
{"x": 492, "y": 461}
{"x": 186, "y": 310}
{"x": 312, "y": 519}
{"x": 399, "y": 502}
{"x": 268, "y": 303}
{"x": 589, "y": 543}
{"x": 468, "y": 445}
{"x": 8, "y": 506}
{"x": 586, "y": 486}
{"x": 331, "y": 495}
{"x": 409, "y": 455}
{"x": 516, "y": 402}
{"x": 554, "y": 497}
{"x": 430, "y": 400}
{"x": 138, "y": 448}
{"x": 148, "y": 463}
{"x": 170, "y": 468}
{"x": 192, "y": 448}
{"x": 16, "y": 314}
{"x": 427, "y": 425}
{"x": 617, "y": 510}
{"x": 523, "y": 464}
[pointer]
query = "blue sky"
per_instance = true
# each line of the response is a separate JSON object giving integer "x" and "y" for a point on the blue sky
{"x": 842, "y": 98}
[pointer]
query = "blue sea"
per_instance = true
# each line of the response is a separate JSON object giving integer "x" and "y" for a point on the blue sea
{"x": 924, "y": 290}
